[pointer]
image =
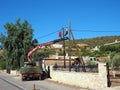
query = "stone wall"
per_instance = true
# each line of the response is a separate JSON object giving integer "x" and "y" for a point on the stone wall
{"x": 82, "y": 79}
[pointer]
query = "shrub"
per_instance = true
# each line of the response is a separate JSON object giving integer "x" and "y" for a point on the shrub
{"x": 116, "y": 61}
{"x": 88, "y": 62}
{"x": 3, "y": 65}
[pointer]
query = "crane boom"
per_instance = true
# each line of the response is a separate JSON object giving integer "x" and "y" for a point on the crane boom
{"x": 44, "y": 44}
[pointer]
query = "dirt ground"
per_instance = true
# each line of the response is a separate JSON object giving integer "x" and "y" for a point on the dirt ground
{"x": 115, "y": 81}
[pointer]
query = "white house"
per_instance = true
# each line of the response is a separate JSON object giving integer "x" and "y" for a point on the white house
{"x": 57, "y": 45}
{"x": 96, "y": 49}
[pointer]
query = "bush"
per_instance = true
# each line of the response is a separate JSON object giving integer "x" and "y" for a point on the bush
{"x": 116, "y": 61}
{"x": 3, "y": 65}
{"x": 107, "y": 61}
{"x": 88, "y": 62}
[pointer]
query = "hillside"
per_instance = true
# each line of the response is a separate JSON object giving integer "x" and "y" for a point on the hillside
{"x": 98, "y": 41}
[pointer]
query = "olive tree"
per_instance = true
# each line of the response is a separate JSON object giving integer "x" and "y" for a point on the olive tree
{"x": 116, "y": 61}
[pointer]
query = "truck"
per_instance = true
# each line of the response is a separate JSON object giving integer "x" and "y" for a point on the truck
{"x": 30, "y": 69}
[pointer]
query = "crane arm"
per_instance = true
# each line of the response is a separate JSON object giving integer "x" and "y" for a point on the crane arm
{"x": 44, "y": 44}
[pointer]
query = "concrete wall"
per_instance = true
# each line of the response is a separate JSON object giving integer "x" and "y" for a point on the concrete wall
{"x": 85, "y": 80}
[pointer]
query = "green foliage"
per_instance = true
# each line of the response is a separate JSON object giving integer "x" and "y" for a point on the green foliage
{"x": 31, "y": 70}
{"x": 2, "y": 65}
{"x": 17, "y": 43}
{"x": 98, "y": 53}
{"x": 91, "y": 53}
{"x": 110, "y": 48}
{"x": 2, "y": 38}
{"x": 116, "y": 61}
{"x": 107, "y": 61}
{"x": 88, "y": 62}
{"x": 2, "y": 56}
{"x": 44, "y": 52}
{"x": 98, "y": 41}
{"x": 60, "y": 53}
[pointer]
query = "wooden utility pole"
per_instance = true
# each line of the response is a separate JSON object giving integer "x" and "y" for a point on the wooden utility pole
{"x": 64, "y": 48}
{"x": 69, "y": 27}
{"x": 71, "y": 37}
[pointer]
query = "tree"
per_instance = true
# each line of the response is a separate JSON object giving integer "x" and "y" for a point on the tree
{"x": 110, "y": 48}
{"x": 115, "y": 60}
{"x": 2, "y": 38}
{"x": 45, "y": 52}
{"x": 18, "y": 42}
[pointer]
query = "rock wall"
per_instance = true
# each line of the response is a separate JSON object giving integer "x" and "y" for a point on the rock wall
{"x": 82, "y": 79}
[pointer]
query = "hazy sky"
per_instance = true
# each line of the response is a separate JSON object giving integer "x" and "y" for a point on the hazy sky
{"x": 89, "y": 18}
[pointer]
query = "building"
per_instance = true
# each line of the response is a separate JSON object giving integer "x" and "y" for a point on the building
{"x": 57, "y": 45}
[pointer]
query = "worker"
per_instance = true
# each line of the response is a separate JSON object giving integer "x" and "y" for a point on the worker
{"x": 45, "y": 74}
{"x": 43, "y": 64}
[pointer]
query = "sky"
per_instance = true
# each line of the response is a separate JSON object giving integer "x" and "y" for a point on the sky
{"x": 89, "y": 18}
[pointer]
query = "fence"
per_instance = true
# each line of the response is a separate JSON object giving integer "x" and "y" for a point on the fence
{"x": 79, "y": 68}
{"x": 82, "y": 79}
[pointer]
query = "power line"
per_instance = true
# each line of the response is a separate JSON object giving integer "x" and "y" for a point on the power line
{"x": 94, "y": 30}
{"x": 49, "y": 34}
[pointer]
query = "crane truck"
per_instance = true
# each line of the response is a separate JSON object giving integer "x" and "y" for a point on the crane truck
{"x": 30, "y": 70}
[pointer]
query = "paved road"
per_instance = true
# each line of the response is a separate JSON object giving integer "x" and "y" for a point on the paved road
{"x": 29, "y": 85}
{"x": 10, "y": 82}
{"x": 4, "y": 85}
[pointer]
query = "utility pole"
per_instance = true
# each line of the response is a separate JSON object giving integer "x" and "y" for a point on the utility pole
{"x": 64, "y": 48}
{"x": 69, "y": 28}
{"x": 71, "y": 37}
